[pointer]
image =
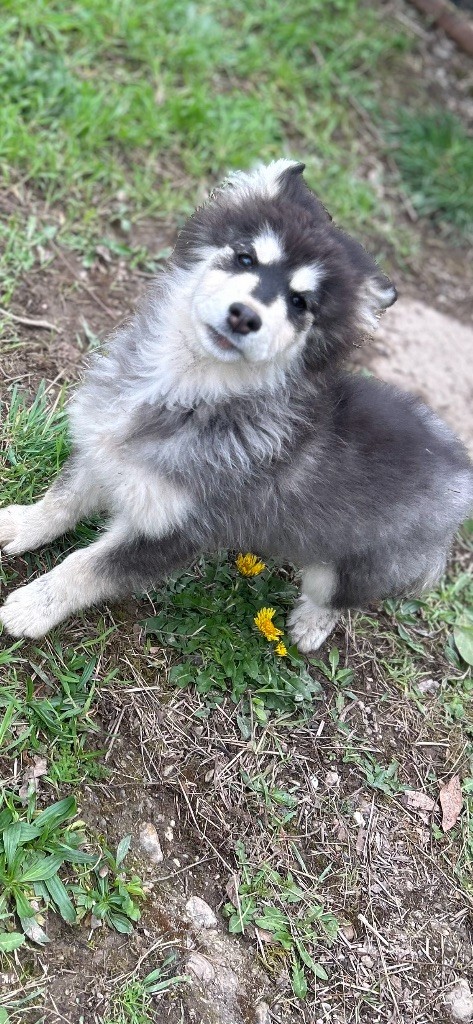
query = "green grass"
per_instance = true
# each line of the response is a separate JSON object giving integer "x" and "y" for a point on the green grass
{"x": 132, "y": 1002}
{"x": 118, "y": 96}
{"x": 290, "y": 912}
{"x": 227, "y": 655}
{"x": 434, "y": 154}
{"x": 33, "y": 443}
{"x": 44, "y": 865}
{"x": 47, "y": 708}
{"x": 20, "y": 243}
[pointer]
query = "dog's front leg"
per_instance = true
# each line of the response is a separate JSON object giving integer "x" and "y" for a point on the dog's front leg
{"x": 72, "y": 496}
{"x": 314, "y": 616}
{"x": 112, "y": 567}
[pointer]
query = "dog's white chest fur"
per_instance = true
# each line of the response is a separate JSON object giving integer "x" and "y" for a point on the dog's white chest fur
{"x": 148, "y": 502}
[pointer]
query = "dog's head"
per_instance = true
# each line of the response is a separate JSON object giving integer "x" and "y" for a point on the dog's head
{"x": 269, "y": 276}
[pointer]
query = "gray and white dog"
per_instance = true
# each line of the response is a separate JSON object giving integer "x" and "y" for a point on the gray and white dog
{"x": 218, "y": 418}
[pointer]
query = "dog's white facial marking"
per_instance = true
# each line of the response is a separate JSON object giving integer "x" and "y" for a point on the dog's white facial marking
{"x": 306, "y": 279}
{"x": 207, "y": 254}
{"x": 215, "y": 293}
{"x": 268, "y": 247}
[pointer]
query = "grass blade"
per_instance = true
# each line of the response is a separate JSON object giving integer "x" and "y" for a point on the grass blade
{"x": 56, "y": 814}
{"x": 58, "y": 893}
{"x": 42, "y": 870}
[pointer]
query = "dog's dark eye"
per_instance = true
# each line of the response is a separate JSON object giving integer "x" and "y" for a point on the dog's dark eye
{"x": 245, "y": 259}
{"x": 298, "y": 301}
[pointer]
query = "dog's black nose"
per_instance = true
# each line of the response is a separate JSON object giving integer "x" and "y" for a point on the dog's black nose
{"x": 243, "y": 319}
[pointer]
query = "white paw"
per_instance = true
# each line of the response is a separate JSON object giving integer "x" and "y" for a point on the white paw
{"x": 310, "y": 626}
{"x": 22, "y": 528}
{"x": 33, "y": 610}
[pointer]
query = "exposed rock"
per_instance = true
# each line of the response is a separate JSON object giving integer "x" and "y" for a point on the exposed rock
{"x": 201, "y": 967}
{"x": 228, "y": 983}
{"x": 149, "y": 842}
{"x": 428, "y": 685}
{"x": 459, "y": 1002}
{"x": 200, "y": 914}
{"x": 262, "y": 1013}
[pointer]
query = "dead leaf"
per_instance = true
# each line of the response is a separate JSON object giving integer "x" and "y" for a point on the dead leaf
{"x": 265, "y": 937}
{"x": 360, "y": 841}
{"x": 31, "y": 776}
{"x": 451, "y": 801}
{"x": 420, "y": 802}
{"x": 232, "y": 888}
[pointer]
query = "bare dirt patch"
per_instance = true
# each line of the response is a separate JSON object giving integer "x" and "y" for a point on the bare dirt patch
{"x": 429, "y": 353}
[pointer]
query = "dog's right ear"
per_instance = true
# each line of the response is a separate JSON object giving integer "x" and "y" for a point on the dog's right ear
{"x": 293, "y": 170}
{"x": 293, "y": 186}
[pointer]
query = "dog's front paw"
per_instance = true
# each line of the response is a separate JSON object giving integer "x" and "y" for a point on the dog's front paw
{"x": 22, "y": 528}
{"x": 32, "y": 610}
{"x": 310, "y": 626}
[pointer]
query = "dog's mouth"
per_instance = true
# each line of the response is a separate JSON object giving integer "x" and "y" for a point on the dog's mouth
{"x": 221, "y": 341}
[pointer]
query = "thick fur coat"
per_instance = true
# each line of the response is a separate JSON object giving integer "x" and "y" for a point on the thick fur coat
{"x": 219, "y": 417}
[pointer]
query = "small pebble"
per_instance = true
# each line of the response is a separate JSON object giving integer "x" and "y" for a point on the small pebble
{"x": 149, "y": 842}
{"x": 200, "y": 914}
{"x": 459, "y": 1002}
{"x": 428, "y": 685}
{"x": 200, "y": 967}
{"x": 262, "y": 1013}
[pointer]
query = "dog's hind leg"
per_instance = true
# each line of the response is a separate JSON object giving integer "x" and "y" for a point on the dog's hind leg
{"x": 71, "y": 497}
{"x": 112, "y": 567}
{"x": 313, "y": 619}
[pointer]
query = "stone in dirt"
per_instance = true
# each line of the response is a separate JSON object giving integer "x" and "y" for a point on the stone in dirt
{"x": 149, "y": 842}
{"x": 200, "y": 914}
{"x": 459, "y": 1002}
{"x": 262, "y": 1012}
{"x": 201, "y": 967}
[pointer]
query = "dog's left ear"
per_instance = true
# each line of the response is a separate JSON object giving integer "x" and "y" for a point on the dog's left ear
{"x": 376, "y": 294}
{"x": 375, "y": 291}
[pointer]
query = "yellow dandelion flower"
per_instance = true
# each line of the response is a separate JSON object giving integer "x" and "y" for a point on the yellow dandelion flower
{"x": 249, "y": 565}
{"x": 264, "y": 622}
{"x": 281, "y": 649}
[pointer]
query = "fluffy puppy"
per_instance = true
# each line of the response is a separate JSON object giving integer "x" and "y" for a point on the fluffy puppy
{"x": 219, "y": 417}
